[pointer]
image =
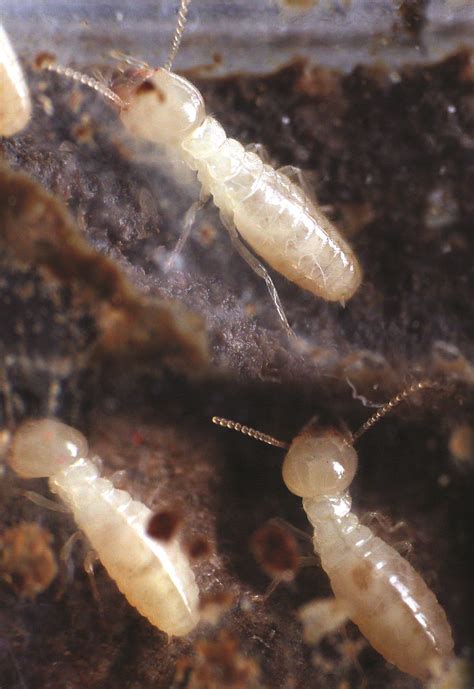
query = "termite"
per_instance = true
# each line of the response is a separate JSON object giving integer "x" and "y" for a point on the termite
{"x": 258, "y": 204}
{"x": 382, "y": 593}
{"x": 15, "y": 103}
{"x": 155, "y": 576}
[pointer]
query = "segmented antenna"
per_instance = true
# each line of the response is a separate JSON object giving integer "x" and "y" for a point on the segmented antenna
{"x": 178, "y": 34}
{"x": 86, "y": 80}
{"x": 251, "y": 432}
{"x": 394, "y": 402}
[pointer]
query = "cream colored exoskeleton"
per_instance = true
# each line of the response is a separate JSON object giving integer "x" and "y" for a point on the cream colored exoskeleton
{"x": 155, "y": 577}
{"x": 15, "y": 103}
{"x": 257, "y": 203}
{"x": 382, "y": 593}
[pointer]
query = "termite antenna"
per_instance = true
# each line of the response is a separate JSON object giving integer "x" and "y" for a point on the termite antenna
{"x": 178, "y": 34}
{"x": 84, "y": 79}
{"x": 251, "y": 432}
{"x": 394, "y": 402}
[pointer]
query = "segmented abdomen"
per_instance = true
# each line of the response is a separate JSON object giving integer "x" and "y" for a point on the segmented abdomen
{"x": 156, "y": 579}
{"x": 273, "y": 215}
{"x": 389, "y": 601}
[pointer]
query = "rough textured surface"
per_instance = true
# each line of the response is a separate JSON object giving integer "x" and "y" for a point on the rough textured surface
{"x": 392, "y": 154}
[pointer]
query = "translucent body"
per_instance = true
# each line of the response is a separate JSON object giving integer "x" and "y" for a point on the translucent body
{"x": 386, "y": 598}
{"x": 15, "y": 104}
{"x": 270, "y": 212}
{"x": 156, "y": 578}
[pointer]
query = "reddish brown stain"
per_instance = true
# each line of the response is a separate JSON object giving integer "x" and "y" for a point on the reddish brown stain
{"x": 43, "y": 60}
{"x": 27, "y": 561}
{"x": 149, "y": 87}
{"x": 198, "y": 548}
{"x": 164, "y": 525}
{"x": 276, "y": 551}
{"x": 362, "y": 576}
{"x": 216, "y": 664}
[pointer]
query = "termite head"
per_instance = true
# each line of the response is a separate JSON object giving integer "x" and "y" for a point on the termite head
{"x": 322, "y": 461}
{"x": 163, "y": 108}
{"x": 319, "y": 462}
{"x": 44, "y": 447}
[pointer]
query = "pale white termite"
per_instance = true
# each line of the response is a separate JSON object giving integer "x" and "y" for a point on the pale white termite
{"x": 15, "y": 104}
{"x": 257, "y": 203}
{"x": 382, "y": 593}
{"x": 155, "y": 577}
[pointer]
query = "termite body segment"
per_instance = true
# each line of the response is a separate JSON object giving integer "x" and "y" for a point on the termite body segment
{"x": 15, "y": 103}
{"x": 386, "y": 598}
{"x": 155, "y": 577}
{"x": 270, "y": 212}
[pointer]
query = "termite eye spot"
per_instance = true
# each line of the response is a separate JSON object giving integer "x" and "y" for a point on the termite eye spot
{"x": 319, "y": 464}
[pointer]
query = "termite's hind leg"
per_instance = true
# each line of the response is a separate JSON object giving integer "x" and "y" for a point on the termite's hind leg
{"x": 261, "y": 151}
{"x": 66, "y": 563}
{"x": 259, "y": 269}
{"x": 298, "y": 177}
{"x": 383, "y": 522}
{"x": 404, "y": 546}
{"x": 89, "y": 563}
{"x": 188, "y": 224}
{"x": 308, "y": 561}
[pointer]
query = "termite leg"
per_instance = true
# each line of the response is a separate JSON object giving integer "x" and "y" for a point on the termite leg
{"x": 188, "y": 224}
{"x": 308, "y": 561}
{"x": 45, "y": 503}
{"x": 384, "y": 522}
{"x": 271, "y": 588}
{"x": 261, "y": 151}
{"x": 279, "y": 521}
{"x": 298, "y": 177}
{"x": 259, "y": 269}
{"x": 403, "y": 547}
{"x": 89, "y": 562}
{"x": 65, "y": 558}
